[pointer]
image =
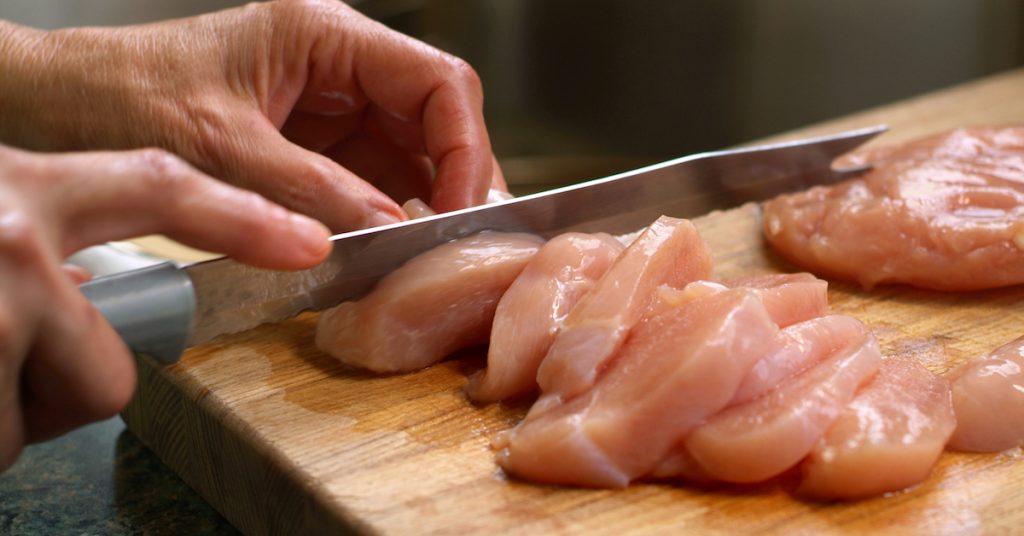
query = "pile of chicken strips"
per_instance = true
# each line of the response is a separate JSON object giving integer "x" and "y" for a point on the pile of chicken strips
{"x": 642, "y": 366}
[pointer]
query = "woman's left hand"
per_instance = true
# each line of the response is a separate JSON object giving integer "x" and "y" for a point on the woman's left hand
{"x": 305, "y": 101}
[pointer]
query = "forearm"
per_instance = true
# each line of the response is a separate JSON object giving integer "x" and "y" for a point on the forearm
{"x": 80, "y": 89}
{"x": 19, "y": 47}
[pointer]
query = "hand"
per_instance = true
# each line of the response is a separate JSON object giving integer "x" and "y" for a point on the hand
{"x": 297, "y": 100}
{"x": 61, "y": 364}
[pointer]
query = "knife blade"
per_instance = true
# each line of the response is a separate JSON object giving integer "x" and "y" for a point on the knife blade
{"x": 161, "y": 310}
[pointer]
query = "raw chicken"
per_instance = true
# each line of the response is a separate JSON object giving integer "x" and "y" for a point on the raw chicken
{"x": 887, "y": 439}
{"x": 988, "y": 397}
{"x": 946, "y": 212}
{"x": 534, "y": 307}
{"x": 676, "y": 369}
{"x": 789, "y": 298}
{"x": 795, "y": 302}
{"x": 761, "y": 439}
{"x": 438, "y": 302}
{"x": 668, "y": 252}
{"x": 795, "y": 349}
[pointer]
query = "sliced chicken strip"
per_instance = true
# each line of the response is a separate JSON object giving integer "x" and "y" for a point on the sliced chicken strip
{"x": 677, "y": 368}
{"x": 761, "y": 439}
{"x": 887, "y": 439}
{"x": 440, "y": 301}
{"x": 533, "y": 309}
{"x": 671, "y": 252}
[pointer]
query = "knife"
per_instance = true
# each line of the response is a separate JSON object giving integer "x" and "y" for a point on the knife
{"x": 161, "y": 310}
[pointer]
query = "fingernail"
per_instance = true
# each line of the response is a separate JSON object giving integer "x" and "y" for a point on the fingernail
{"x": 314, "y": 237}
{"x": 378, "y": 218}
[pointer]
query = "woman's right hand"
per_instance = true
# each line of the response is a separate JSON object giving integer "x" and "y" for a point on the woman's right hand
{"x": 61, "y": 364}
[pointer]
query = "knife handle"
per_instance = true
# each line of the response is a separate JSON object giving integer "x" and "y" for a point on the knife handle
{"x": 151, "y": 308}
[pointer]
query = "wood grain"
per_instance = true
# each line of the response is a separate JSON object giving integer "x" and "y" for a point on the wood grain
{"x": 284, "y": 440}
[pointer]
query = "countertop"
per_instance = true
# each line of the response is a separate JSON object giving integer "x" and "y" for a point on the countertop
{"x": 100, "y": 480}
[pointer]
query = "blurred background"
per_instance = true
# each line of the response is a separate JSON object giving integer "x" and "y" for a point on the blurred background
{"x": 577, "y": 89}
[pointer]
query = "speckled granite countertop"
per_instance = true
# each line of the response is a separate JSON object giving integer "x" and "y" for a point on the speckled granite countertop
{"x": 100, "y": 480}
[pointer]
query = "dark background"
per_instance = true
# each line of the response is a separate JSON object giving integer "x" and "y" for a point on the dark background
{"x": 580, "y": 88}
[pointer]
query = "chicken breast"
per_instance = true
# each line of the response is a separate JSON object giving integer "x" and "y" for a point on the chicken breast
{"x": 988, "y": 398}
{"x": 534, "y": 307}
{"x": 761, "y": 439}
{"x": 677, "y": 368}
{"x": 945, "y": 212}
{"x": 668, "y": 252}
{"x": 887, "y": 439}
{"x": 438, "y": 302}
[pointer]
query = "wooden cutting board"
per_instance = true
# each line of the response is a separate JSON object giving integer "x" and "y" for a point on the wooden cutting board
{"x": 281, "y": 439}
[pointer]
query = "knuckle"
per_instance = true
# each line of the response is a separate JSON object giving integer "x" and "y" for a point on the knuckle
{"x": 305, "y": 8}
{"x": 165, "y": 173}
{"x": 464, "y": 73}
{"x": 160, "y": 161}
{"x": 20, "y": 239}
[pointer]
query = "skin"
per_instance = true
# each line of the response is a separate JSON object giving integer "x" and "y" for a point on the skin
{"x": 305, "y": 103}
{"x": 294, "y": 100}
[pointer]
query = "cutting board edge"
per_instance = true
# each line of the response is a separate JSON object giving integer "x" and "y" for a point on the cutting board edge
{"x": 246, "y": 471}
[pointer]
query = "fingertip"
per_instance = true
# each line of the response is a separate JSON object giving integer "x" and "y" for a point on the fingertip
{"x": 385, "y": 216}
{"x": 122, "y": 389}
{"x": 312, "y": 236}
{"x": 112, "y": 384}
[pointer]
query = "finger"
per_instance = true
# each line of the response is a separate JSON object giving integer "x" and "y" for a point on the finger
{"x": 79, "y": 370}
{"x": 403, "y": 134}
{"x": 414, "y": 83}
{"x": 394, "y": 171}
{"x": 317, "y": 132}
{"x": 370, "y": 153}
{"x": 22, "y": 302}
{"x": 13, "y": 345}
{"x": 457, "y": 143}
{"x": 112, "y": 196}
{"x": 262, "y": 160}
{"x": 497, "y": 176}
